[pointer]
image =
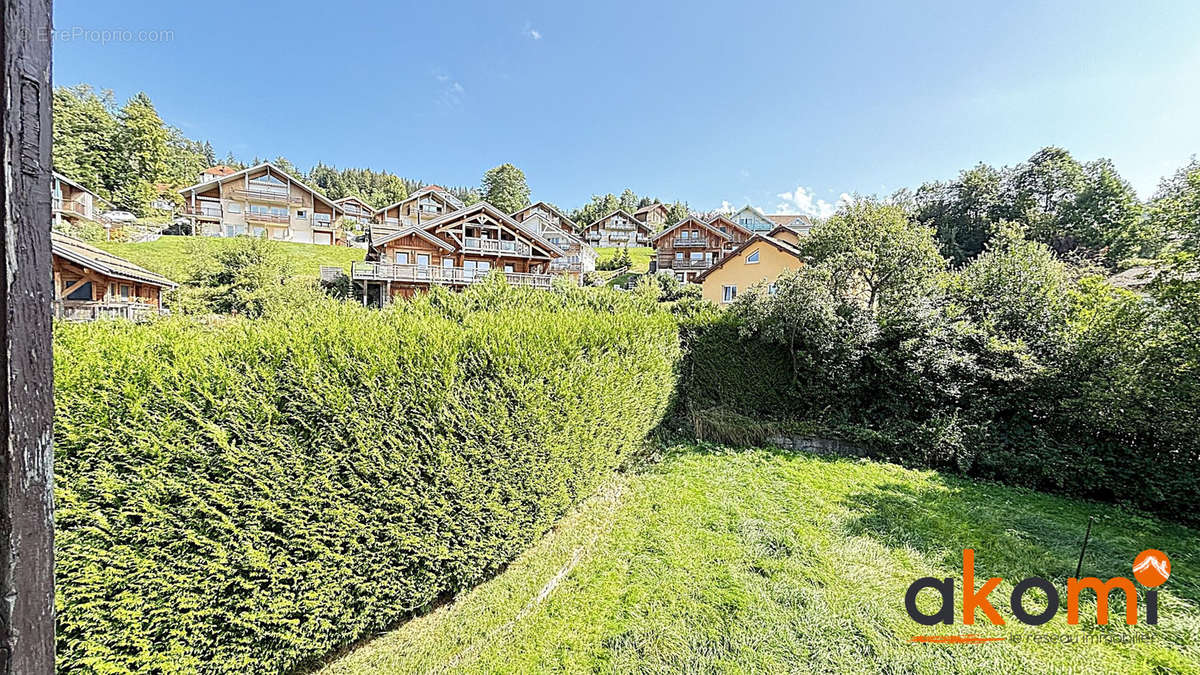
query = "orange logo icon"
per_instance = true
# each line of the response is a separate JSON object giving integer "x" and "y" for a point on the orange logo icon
{"x": 1151, "y": 567}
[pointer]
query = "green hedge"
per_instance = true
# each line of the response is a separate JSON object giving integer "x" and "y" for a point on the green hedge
{"x": 247, "y": 496}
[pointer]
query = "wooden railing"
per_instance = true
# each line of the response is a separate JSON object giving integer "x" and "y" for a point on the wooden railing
{"x": 72, "y": 206}
{"x": 689, "y": 242}
{"x": 686, "y": 264}
{"x": 203, "y": 211}
{"x": 496, "y": 246}
{"x": 429, "y": 274}
{"x": 267, "y": 196}
{"x": 267, "y": 218}
{"x": 82, "y": 310}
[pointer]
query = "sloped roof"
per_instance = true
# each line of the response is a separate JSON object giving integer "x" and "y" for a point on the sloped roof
{"x": 756, "y": 239}
{"x": 651, "y": 207}
{"x": 550, "y": 208}
{"x": 788, "y": 218}
{"x": 625, "y": 213}
{"x": 271, "y": 167}
{"x": 706, "y": 225}
{"x": 467, "y": 212}
{"x": 427, "y": 189}
{"x": 726, "y": 219}
{"x": 86, "y": 255}
{"x": 219, "y": 170}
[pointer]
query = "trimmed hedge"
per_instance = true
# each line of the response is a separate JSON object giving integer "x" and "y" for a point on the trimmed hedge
{"x": 250, "y": 495}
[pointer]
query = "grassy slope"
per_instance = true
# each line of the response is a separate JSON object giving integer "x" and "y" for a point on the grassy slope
{"x": 767, "y": 561}
{"x": 640, "y": 256}
{"x": 173, "y": 256}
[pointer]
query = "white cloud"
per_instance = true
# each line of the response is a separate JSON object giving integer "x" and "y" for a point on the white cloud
{"x": 450, "y": 91}
{"x": 725, "y": 207}
{"x": 531, "y": 32}
{"x": 803, "y": 200}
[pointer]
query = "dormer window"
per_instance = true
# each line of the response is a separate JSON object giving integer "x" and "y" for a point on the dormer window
{"x": 752, "y": 259}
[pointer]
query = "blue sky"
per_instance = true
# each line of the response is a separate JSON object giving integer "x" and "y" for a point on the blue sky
{"x": 785, "y": 106}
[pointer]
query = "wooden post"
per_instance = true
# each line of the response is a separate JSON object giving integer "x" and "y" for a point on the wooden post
{"x": 26, "y": 399}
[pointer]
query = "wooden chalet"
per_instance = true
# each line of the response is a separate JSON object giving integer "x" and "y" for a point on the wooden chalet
{"x": 655, "y": 215}
{"x": 356, "y": 210}
{"x": 693, "y": 245}
{"x": 426, "y": 204}
{"x": 70, "y": 202}
{"x": 455, "y": 250}
{"x": 618, "y": 229}
{"x": 578, "y": 257}
{"x": 262, "y": 201}
{"x": 90, "y": 283}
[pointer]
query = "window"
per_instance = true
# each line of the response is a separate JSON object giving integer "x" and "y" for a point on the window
{"x": 697, "y": 255}
{"x": 126, "y": 291}
{"x": 679, "y": 276}
{"x": 728, "y": 293}
{"x": 695, "y": 234}
{"x": 234, "y": 230}
{"x": 258, "y": 231}
{"x": 279, "y": 233}
{"x": 679, "y": 256}
{"x": 447, "y": 262}
{"x": 302, "y": 214}
{"x": 84, "y": 292}
{"x": 508, "y": 267}
{"x": 752, "y": 259}
{"x": 235, "y": 207}
{"x": 401, "y": 257}
{"x": 423, "y": 259}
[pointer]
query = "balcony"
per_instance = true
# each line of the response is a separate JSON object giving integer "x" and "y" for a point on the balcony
{"x": 68, "y": 206}
{"x": 618, "y": 236}
{"x": 689, "y": 243}
{"x": 621, "y": 225}
{"x": 203, "y": 211}
{"x": 268, "y": 196}
{"x": 497, "y": 246}
{"x": 450, "y": 276}
{"x": 252, "y": 217}
{"x": 83, "y": 310}
{"x": 687, "y": 264}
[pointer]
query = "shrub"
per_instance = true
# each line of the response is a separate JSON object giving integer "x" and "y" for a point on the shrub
{"x": 247, "y": 495}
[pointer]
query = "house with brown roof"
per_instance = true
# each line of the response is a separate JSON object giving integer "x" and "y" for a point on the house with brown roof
{"x": 618, "y": 229}
{"x": 72, "y": 203}
{"x": 655, "y": 215}
{"x": 90, "y": 283}
{"x": 693, "y": 245}
{"x": 215, "y": 173}
{"x": 426, "y": 204}
{"x": 578, "y": 257}
{"x": 262, "y": 201}
{"x": 356, "y": 209}
{"x": 759, "y": 259}
{"x": 455, "y": 250}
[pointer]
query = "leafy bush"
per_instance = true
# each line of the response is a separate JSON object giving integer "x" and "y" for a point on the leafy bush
{"x": 1011, "y": 368}
{"x": 247, "y": 495}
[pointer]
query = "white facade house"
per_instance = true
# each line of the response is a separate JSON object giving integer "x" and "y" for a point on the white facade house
{"x": 756, "y": 221}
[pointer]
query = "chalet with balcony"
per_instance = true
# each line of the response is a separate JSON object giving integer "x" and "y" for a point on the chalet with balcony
{"x": 71, "y": 203}
{"x": 655, "y": 215}
{"x": 90, "y": 283}
{"x": 754, "y": 220}
{"x": 356, "y": 210}
{"x": 578, "y": 257}
{"x": 619, "y": 229}
{"x": 455, "y": 250}
{"x": 262, "y": 201}
{"x": 693, "y": 245}
{"x": 426, "y": 204}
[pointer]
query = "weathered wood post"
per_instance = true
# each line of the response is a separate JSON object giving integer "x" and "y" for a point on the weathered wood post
{"x": 26, "y": 404}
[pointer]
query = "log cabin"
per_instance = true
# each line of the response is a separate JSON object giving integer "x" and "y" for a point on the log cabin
{"x": 262, "y": 201}
{"x": 693, "y": 245}
{"x": 90, "y": 283}
{"x": 618, "y": 229}
{"x": 578, "y": 257}
{"x": 455, "y": 250}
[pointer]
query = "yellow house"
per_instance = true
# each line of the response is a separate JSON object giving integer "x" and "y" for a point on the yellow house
{"x": 761, "y": 258}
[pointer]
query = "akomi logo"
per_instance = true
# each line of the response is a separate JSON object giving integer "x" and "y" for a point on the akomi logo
{"x": 1151, "y": 568}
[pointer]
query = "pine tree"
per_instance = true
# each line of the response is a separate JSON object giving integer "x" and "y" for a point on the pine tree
{"x": 504, "y": 187}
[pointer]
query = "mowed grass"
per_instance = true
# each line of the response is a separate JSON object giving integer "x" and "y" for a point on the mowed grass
{"x": 768, "y": 561}
{"x": 640, "y": 257}
{"x": 176, "y": 257}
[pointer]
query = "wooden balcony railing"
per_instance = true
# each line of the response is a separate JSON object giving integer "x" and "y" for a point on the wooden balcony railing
{"x": 686, "y": 264}
{"x": 429, "y": 274}
{"x": 82, "y": 310}
{"x": 67, "y": 205}
{"x": 203, "y": 211}
{"x": 476, "y": 244}
{"x": 267, "y": 218}
{"x": 689, "y": 243}
{"x": 267, "y": 196}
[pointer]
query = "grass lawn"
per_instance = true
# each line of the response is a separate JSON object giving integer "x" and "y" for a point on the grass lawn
{"x": 173, "y": 256}
{"x": 640, "y": 257}
{"x": 767, "y": 561}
